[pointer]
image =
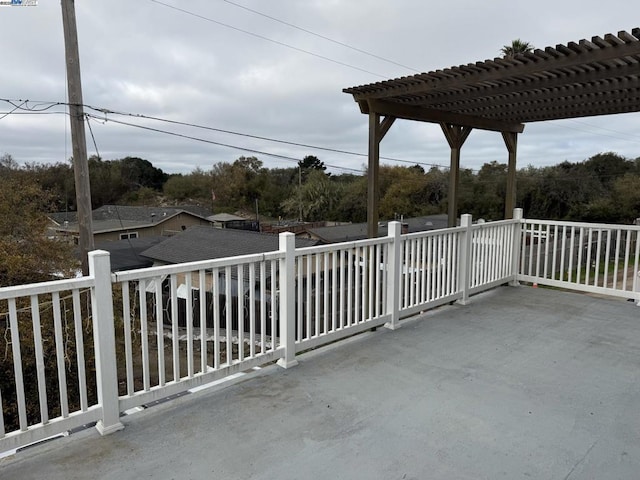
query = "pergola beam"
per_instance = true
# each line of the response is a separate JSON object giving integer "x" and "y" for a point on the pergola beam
{"x": 433, "y": 115}
{"x": 499, "y": 69}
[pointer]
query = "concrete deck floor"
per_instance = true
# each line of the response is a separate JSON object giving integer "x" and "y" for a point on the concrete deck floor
{"x": 521, "y": 383}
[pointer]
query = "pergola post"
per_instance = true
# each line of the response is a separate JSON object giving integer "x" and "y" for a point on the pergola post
{"x": 511, "y": 141}
{"x": 456, "y": 136}
{"x": 377, "y": 131}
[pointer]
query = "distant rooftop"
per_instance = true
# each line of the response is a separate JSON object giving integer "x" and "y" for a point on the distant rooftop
{"x": 358, "y": 231}
{"x": 205, "y": 243}
{"x": 127, "y": 254}
{"x": 129, "y": 212}
{"x": 117, "y": 217}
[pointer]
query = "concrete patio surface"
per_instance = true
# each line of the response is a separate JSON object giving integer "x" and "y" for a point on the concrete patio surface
{"x": 520, "y": 383}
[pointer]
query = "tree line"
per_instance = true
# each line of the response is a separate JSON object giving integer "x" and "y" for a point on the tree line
{"x": 603, "y": 188}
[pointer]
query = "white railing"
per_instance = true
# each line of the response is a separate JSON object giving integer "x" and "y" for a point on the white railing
{"x": 595, "y": 258}
{"x": 57, "y": 387}
{"x": 162, "y": 331}
{"x": 429, "y": 273}
{"x": 185, "y": 325}
{"x": 340, "y": 290}
{"x": 492, "y": 254}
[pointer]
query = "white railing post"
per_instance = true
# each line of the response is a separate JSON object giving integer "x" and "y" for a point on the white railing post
{"x": 287, "y": 283}
{"x": 104, "y": 342}
{"x": 515, "y": 246}
{"x": 394, "y": 266}
{"x": 464, "y": 256}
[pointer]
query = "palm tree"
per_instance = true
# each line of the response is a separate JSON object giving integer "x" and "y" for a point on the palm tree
{"x": 517, "y": 46}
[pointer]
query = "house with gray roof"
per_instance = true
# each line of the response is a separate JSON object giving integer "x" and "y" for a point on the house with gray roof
{"x": 127, "y": 254}
{"x": 358, "y": 231}
{"x": 123, "y": 222}
{"x": 206, "y": 243}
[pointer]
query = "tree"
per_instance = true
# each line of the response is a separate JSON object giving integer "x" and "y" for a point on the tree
{"x": 194, "y": 186}
{"x": 27, "y": 254}
{"x": 239, "y": 184}
{"x": 316, "y": 198}
{"x": 311, "y": 162}
{"x": 7, "y": 163}
{"x": 517, "y": 47}
{"x": 138, "y": 173}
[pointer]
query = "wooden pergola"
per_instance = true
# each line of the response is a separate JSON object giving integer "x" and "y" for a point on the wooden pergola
{"x": 600, "y": 76}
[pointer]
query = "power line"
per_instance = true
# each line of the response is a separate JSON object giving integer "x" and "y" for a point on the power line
{"x": 211, "y": 142}
{"x": 632, "y": 138}
{"x": 105, "y": 111}
{"x": 262, "y": 37}
{"x": 257, "y": 137}
{"x": 337, "y": 42}
{"x": 41, "y": 107}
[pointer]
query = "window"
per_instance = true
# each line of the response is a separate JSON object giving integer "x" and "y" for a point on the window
{"x": 126, "y": 236}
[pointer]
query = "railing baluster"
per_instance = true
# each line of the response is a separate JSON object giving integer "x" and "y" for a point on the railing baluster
{"x": 627, "y": 250}
{"x": 588, "y": 260}
{"x": 317, "y": 297}
{"x": 325, "y": 290}
{"x": 217, "y": 316}
{"x": 275, "y": 307}
{"x": 598, "y": 258}
{"x": 431, "y": 265}
{"x": 252, "y": 310}
{"x": 189, "y": 321}
{"x": 263, "y": 306}
{"x": 82, "y": 376}
{"x": 144, "y": 334}
{"x": 37, "y": 343}
{"x": 202, "y": 286}
{"x": 372, "y": 291}
{"x": 17, "y": 363}
{"x": 300, "y": 297}
{"x": 228, "y": 305}
{"x": 309, "y": 288}
{"x": 606, "y": 258}
{"x": 240, "y": 302}
{"x": 617, "y": 259}
{"x": 60, "y": 353}
{"x": 635, "y": 262}
{"x": 175, "y": 345}
{"x": 555, "y": 252}
{"x": 128, "y": 347}
{"x": 160, "y": 330}
{"x": 356, "y": 269}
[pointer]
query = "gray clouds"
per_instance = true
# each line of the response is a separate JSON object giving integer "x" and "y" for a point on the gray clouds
{"x": 143, "y": 57}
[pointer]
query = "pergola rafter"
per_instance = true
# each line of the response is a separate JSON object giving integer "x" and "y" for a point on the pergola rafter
{"x": 593, "y": 77}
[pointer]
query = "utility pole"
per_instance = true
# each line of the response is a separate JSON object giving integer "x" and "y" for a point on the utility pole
{"x": 78, "y": 139}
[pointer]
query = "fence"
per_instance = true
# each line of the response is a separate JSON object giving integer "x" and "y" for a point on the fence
{"x": 595, "y": 258}
{"x": 62, "y": 368}
{"x": 161, "y": 331}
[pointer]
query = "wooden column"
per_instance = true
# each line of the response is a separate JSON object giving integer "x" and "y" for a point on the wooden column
{"x": 456, "y": 136}
{"x": 511, "y": 141}
{"x": 377, "y": 131}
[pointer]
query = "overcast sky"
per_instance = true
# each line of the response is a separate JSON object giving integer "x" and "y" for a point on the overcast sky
{"x": 221, "y": 66}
